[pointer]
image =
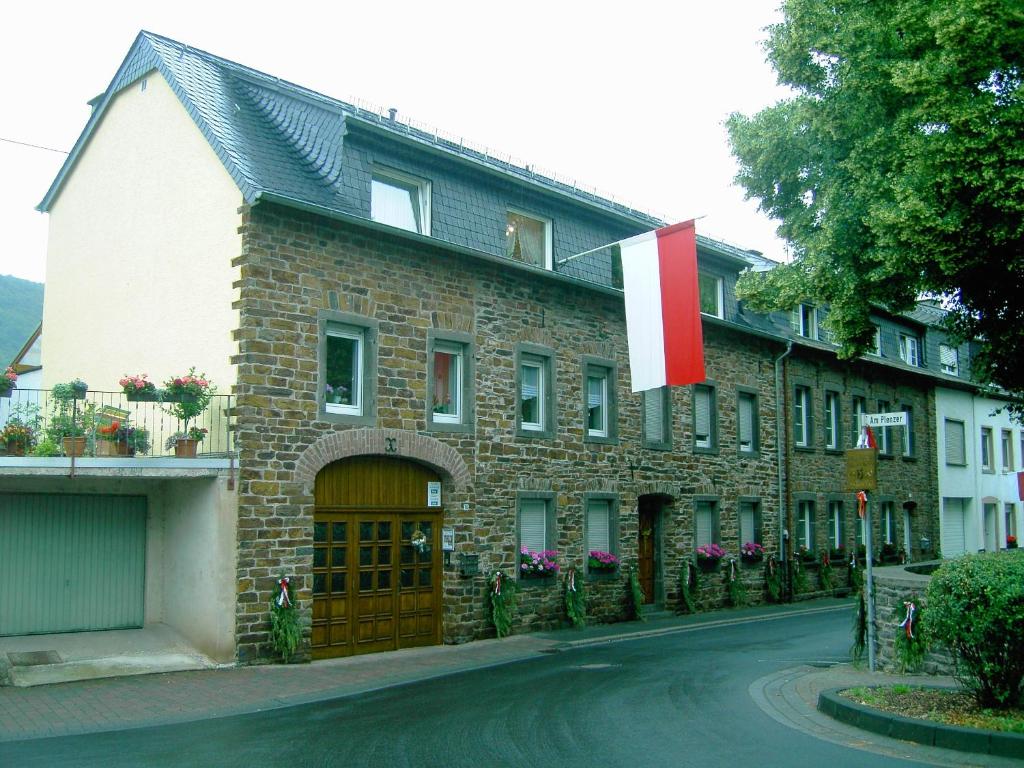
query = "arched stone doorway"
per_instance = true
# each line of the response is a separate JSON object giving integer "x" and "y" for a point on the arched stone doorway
{"x": 376, "y": 557}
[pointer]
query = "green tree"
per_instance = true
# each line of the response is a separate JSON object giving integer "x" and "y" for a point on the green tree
{"x": 896, "y": 167}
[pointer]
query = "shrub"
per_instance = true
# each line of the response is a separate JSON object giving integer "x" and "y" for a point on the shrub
{"x": 976, "y": 609}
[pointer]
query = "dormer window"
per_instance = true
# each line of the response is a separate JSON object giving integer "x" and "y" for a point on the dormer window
{"x": 805, "y": 321}
{"x": 528, "y": 239}
{"x": 711, "y": 291}
{"x": 910, "y": 350}
{"x": 400, "y": 200}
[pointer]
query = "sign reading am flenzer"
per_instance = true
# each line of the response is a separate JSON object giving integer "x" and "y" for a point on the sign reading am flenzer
{"x": 897, "y": 419}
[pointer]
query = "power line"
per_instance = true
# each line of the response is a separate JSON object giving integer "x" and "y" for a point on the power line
{"x": 33, "y": 146}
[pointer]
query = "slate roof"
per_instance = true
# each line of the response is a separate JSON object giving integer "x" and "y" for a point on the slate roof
{"x": 279, "y": 138}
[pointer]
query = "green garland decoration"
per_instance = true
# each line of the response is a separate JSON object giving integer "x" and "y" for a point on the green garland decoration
{"x": 575, "y": 600}
{"x": 911, "y": 646}
{"x": 826, "y": 575}
{"x": 636, "y": 596}
{"x": 856, "y": 577}
{"x": 687, "y": 586}
{"x": 860, "y": 629}
{"x": 773, "y": 579}
{"x": 737, "y": 594}
{"x": 799, "y": 577}
{"x": 501, "y": 597}
{"x": 285, "y": 632}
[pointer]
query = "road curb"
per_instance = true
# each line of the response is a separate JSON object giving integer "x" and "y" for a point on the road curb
{"x": 845, "y": 710}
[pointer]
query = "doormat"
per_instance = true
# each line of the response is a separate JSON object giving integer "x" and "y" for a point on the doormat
{"x": 32, "y": 658}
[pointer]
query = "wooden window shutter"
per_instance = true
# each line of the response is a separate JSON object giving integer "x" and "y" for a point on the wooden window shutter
{"x": 533, "y": 524}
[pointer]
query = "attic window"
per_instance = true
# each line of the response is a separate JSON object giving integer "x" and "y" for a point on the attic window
{"x": 528, "y": 239}
{"x": 400, "y": 200}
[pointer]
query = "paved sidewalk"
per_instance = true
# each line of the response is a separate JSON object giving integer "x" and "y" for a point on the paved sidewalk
{"x": 131, "y": 702}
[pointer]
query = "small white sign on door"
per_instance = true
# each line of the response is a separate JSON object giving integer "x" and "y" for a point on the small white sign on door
{"x": 433, "y": 494}
{"x": 448, "y": 539}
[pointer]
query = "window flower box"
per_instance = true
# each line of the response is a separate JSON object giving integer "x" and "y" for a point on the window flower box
{"x": 602, "y": 562}
{"x": 709, "y": 556}
{"x": 751, "y": 552}
{"x": 537, "y": 565}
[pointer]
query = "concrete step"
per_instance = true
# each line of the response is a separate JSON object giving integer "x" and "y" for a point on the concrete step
{"x": 27, "y": 675}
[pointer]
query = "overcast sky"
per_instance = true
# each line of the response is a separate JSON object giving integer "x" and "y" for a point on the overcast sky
{"x": 627, "y": 98}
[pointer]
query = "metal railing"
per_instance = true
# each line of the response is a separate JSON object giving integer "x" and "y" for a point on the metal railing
{"x": 111, "y": 424}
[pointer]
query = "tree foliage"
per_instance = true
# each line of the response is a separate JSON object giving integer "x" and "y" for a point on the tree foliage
{"x": 896, "y": 167}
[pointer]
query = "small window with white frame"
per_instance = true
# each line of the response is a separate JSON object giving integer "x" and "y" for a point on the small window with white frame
{"x": 805, "y": 524}
{"x": 833, "y": 421}
{"x": 449, "y": 381}
{"x": 859, "y": 405}
{"x": 888, "y": 522}
{"x": 400, "y": 200}
{"x": 528, "y": 239}
{"x": 805, "y": 321}
{"x": 1006, "y": 450}
{"x": 949, "y": 359}
{"x": 705, "y": 418}
{"x": 536, "y": 522}
{"x": 910, "y": 349}
{"x": 597, "y": 402}
{"x": 908, "y": 432}
{"x": 343, "y": 370}
{"x": 747, "y": 423}
{"x": 712, "y": 295}
{"x": 532, "y": 394}
{"x": 987, "y": 461}
{"x": 884, "y": 434}
{"x": 835, "y": 524}
{"x": 802, "y": 417}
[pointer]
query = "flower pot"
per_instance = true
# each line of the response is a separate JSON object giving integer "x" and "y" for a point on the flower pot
{"x": 751, "y": 559}
{"x": 15, "y": 448}
{"x": 708, "y": 564}
{"x": 111, "y": 448}
{"x": 185, "y": 448}
{"x": 74, "y": 446}
{"x": 180, "y": 397}
{"x": 6, "y": 392}
{"x": 143, "y": 397}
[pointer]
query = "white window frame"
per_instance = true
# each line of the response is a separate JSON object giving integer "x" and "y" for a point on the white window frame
{"x": 458, "y": 352}
{"x": 807, "y": 321}
{"x": 949, "y": 359}
{"x": 752, "y": 445}
{"x": 888, "y": 522}
{"x": 835, "y": 523}
{"x": 1006, "y": 449}
{"x": 832, "y": 420}
{"x": 908, "y": 433}
{"x": 859, "y": 407}
{"x": 397, "y": 179}
{"x": 805, "y": 523}
{"x": 802, "y": 416}
{"x": 988, "y": 462}
{"x": 910, "y": 349}
{"x": 749, "y": 509}
{"x": 884, "y": 433}
{"x": 707, "y": 441}
{"x": 719, "y": 285}
{"x": 594, "y": 373}
{"x": 356, "y": 407}
{"x": 539, "y": 425}
{"x": 953, "y": 428}
{"x": 548, "y": 242}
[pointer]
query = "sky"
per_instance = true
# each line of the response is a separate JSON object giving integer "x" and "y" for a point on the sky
{"x": 628, "y": 99}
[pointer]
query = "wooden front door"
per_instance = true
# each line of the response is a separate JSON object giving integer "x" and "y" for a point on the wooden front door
{"x": 646, "y": 548}
{"x": 376, "y": 558}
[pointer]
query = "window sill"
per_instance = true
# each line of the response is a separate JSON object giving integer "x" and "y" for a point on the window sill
{"x": 910, "y": 459}
{"x": 803, "y": 449}
{"x": 657, "y": 446}
{"x": 363, "y": 420}
{"x": 886, "y": 456}
{"x": 712, "y": 451}
{"x": 535, "y": 435}
{"x": 608, "y": 440}
{"x": 749, "y": 454}
{"x": 435, "y": 426}
{"x": 834, "y": 451}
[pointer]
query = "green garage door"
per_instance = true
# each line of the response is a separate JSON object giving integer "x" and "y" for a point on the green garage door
{"x": 71, "y": 563}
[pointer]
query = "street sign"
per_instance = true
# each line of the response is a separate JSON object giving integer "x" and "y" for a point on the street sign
{"x": 897, "y": 419}
{"x": 862, "y": 469}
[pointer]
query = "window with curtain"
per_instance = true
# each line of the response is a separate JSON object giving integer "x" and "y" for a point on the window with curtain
{"x": 533, "y": 520}
{"x": 528, "y": 239}
{"x": 910, "y": 351}
{"x": 343, "y": 369}
{"x": 400, "y": 200}
{"x": 703, "y": 416}
{"x": 447, "y": 384}
{"x": 956, "y": 445}
{"x": 746, "y": 427}
{"x": 598, "y": 525}
{"x": 706, "y": 521}
{"x": 835, "y": 524}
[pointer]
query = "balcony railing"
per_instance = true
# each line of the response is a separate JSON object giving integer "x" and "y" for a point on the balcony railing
{"x": 142, "y": 428}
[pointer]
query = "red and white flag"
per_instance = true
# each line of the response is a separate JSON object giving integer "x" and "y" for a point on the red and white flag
{"x": 659, "y": 275}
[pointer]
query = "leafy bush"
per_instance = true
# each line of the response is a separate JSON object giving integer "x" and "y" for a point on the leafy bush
{"x": 976, "y": 609}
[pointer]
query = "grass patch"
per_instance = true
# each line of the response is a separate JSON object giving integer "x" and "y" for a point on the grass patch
{"x": 948, "y": 706}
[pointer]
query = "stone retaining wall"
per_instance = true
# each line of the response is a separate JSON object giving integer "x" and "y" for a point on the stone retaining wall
{"x": 893, "y": 586}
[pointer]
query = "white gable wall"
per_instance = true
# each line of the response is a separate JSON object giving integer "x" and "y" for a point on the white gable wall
{"x": 141, "y": 238}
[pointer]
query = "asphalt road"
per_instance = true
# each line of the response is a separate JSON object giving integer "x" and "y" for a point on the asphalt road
{"x": 675, "y": 700}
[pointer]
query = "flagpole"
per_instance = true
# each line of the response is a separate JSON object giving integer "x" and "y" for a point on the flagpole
{"x": 560, "y": 262}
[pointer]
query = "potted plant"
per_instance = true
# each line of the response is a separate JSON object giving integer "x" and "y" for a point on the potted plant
{"x": 751, "y": 552}
{"x": 68, "y": 425}
{"x": 806, "y": 554}
{"x": 709, "y": 556}
{"x": 185, "y": 444}
{"x": 17, "y": 436}
{"x": 602, "y": 562}
{"x": 838, "y": 555}
{"x": 137, "y": 440}
{"x": 1011, "y": 542}
{"x": 139, "y": 388}
{"x": 110, "y": 440}
{"x": 187, "y": 397}
{"x": 7, "y": 382}
{"x": 537, "y": 565}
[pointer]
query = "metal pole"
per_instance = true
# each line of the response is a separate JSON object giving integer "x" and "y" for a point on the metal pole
{"x": 869, "y": 586}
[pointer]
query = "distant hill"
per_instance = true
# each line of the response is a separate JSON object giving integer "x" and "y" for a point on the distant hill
{"x": 21, "y": 309}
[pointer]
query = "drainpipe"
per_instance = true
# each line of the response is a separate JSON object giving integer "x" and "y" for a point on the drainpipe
{"x": 782, "y": 460}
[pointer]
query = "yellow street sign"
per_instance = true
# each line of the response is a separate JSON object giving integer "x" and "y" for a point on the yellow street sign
{"x": 862, "y": 469}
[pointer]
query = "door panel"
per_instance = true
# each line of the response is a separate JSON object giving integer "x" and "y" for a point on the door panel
{"x": 645, "y": 570}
